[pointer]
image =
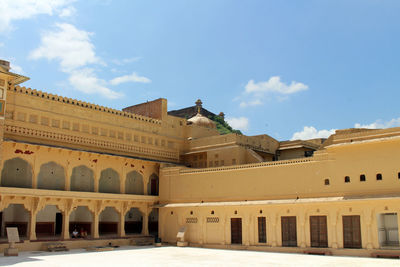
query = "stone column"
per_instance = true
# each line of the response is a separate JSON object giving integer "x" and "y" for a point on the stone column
{"x": 96, "y": 179}
{"x": 32, "y": 225}
{"x": 36, "y": 170}
{"x": 121, "y": 225}
{"x": 65, "y": 225}
{"x": 145, "y": 227}
{"x": 302, "y": 223}
{"x": 95, "y": 225}
{"x": 246, "y": 230}
{"x": 274, "y": 220}
{"x": 122, "y": 180}
{"x": 68, "y": 173}
{"x": 333, "y": 221}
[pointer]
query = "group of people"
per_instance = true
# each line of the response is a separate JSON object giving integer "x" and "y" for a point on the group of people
{"x": 82, "y": 234}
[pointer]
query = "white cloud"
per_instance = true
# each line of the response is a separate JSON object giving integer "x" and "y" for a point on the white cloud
{"x": 86, "y": 81}
{"x": 16, "y": 68}
{"x": 12, "y": 10}
{"x": 256, "y": 93}
{"x": 250, "y": 103}
{"x": 309, "y": 132}
{"x": 68, "y": 45}
{"x": 240, "y": 123}
{"x": 74, "y": 51}
{"x": 379, "y": 124}
{"x": 126, "y": 60}
{"x": 130, "y": 78}
{"x": 67, "y": 12}
{"x": 274, "y": 84}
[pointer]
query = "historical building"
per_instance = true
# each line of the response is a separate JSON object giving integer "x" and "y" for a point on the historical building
{"x": 113, "y": 175}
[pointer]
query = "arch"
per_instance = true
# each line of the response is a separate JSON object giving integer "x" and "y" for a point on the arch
{"x": 81, "y": 219}
{"x": 133, "y": 221}
{"x": 153, "y": 223}
{"x": 108, "y": 222}
{"x": 82, "y": 179}
{"x": 152, "y": 185}
{"x": 134, "y": 183}
{"x": 109, "y": 181}
{"x": 49, "y": 222}
{"x": 16, "y": 173}
{"x": 15, "y": 215}
{"x": 51, "y": 176}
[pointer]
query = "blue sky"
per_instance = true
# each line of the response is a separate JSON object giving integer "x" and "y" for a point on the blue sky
{"x": 290, "y": 69}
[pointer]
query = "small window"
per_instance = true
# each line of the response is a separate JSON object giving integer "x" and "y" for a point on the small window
{"x": 347, "y": 179}
{"x": 212, "y": 212}
{"x": 398, "y": 175}
{"x": 326, "y": 181}
{"x": 172, "y": 213}
{"x": 362, "y": 178}
{"x": 191, "y": 212}
{"x": 378, "y": 176}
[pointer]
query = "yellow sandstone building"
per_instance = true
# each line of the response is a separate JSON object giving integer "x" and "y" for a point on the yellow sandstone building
{"x": 118, "y": 176}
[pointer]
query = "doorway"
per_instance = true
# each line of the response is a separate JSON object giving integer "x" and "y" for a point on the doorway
{"x": 351, "y": 231}
{"x": 289, "y": 231}
{"x": 236, "y": 230}
{"x": 318, "y": 232}
{"x": 59, "y": 220}
{"x": 388, "y": 233}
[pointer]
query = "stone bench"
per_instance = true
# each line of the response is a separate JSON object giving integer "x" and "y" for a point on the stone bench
{"x": 386, "y": 254}
{"x": 317, "y": 252}
{"x": 57, "y": 246}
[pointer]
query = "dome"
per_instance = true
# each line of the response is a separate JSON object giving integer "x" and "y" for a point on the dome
{"x": 200, "y": 120}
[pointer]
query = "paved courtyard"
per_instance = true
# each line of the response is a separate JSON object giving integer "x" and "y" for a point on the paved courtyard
{"x": 174, "y": 256}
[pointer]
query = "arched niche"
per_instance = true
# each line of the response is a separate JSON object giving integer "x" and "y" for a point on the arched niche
{"x": 108, "y": 222}
{"x": 133, "y": 221}
{"x": 109, "y": 181}
{"x": 82, "y": 179}
{"x": 152, "y": 185}
{"x": 134, "y": 183}
{"x": 51, "y": 176}
{"x": 15, "y": 215}
{"x": 49, "y": 222}
{"x": 81, "y": 218}
{"x": 16, "y": 173}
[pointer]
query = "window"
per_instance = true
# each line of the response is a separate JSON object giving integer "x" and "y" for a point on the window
{"x": 326, "y": 181}
{"x": 362, "y": 178}
{"x": 378, "y": 176}
{"x": 347, "y": 179}
{"x": 262, "y": 232}
{"x": 398, "y": 175}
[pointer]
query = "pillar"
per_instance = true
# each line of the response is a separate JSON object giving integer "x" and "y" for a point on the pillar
{"x": 333, "y": 221}
{"x": 246, "y": 230}
{"x": 96, "y": 179}
{"x": 65, "y": 225}
{"x": 121, "y": 225}
{"x": 68, "y": 173}
{"x": 274, "y": 227}
{"x": 32, "y": 225}
{"x": 122, "y": 180}
{"x": 302, "y": 228}
{"x": 95, "y": 225}
{"x": 145, "y": 227}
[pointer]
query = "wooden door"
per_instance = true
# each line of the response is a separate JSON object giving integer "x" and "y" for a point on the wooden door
{"x": 262, "y": 231}
{"x": 1, "y": 223}
{"x": 351, "y": 231}
{"x": 236, "y": 231}
{"x": 318, "y": 231}
{"x": 289, "y": 232}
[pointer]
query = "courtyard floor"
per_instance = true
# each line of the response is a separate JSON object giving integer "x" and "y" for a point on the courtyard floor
{"x": 175, "y": 256}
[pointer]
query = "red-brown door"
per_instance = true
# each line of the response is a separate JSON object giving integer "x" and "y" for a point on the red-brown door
{"x": 289, "y": 232}
{"x": 236, "y": 230}
{"x": 351, "y": 231}
{"x": 318, "y": 231}
{"x": 262, "y": 231}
